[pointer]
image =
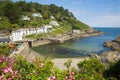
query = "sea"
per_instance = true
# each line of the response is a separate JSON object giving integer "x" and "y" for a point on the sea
{"x": 79, "y": 47}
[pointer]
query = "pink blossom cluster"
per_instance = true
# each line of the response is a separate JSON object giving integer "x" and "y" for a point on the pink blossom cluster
{"x": 70, "y": 76}
{"x": 41, "y": 64}
{"x": 8, "y": 69}
{"x": 6, "y": 59}
{"x": 52, "y": 78}
{"x": 2, "y": 58}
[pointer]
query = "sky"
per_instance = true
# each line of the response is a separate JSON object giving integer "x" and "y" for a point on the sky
{"x": 96, "y": 13}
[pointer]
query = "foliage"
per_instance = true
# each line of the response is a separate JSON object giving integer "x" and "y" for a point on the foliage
{"x": 5, "y": 49}
{"x": 6, "y": 69}
{"x": 68, "y": 64}
{"x": 39, "y": 69}
{"x": 91, "y": 69}
{"x": 13, "y": 12}
{"x": 113, "y": 71}
{"x": 18, "y": 68}
{"x": 30, "y": 36}
{"x": 19, "y": 8}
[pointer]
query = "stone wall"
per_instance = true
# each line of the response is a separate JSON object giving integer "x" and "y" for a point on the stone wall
{"x": 24, "y": 50}
{"x": 38, "y": 43}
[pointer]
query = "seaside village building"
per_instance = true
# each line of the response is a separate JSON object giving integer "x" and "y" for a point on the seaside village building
{"x": 20, "y": 34}
{"x": 25, "y": 17}
{"x": 4, "y": 38}
{"x": 36, "y": 15}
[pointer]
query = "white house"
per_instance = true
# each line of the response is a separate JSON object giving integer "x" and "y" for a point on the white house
{"x": 25, "y": 17}
{"x": 54, "y": 23}
{"x": 20, "y": 34}
{"x": 76, "y": 31}
{"x": 47, "y": 26}
{"x": 52, "y": 17}
{"x": 36, "y": 15}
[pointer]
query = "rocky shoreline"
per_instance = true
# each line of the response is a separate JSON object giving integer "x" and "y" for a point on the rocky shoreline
{"x": 73, "y": 36}
{"x": 114, "y": 44}
{"x": 114, "y": 54}
{"x": 64, "y": 37}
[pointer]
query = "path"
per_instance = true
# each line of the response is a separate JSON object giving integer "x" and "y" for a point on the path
{"x": 59, "y": 62}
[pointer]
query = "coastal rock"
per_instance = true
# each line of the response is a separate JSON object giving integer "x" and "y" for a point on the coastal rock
{"x": 114, "y": 44}
{"x": 94, "y": 56}
{"x": 110, "y": 56}
{"x": 118, "y": 39}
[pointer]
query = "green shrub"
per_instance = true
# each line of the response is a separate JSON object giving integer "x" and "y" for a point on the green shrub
{"x": 91, "y": 69}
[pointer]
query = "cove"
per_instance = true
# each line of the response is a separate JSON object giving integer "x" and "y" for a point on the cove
{"x": 79, "y": 47}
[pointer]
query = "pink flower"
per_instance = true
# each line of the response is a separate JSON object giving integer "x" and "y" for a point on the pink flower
{"x": 14, "y": 73}
{"x": 52, "y": 78}
{"x": 9, "y": 78}
{"x": 33, "y": 60}
{"x": 11, "y": 61}
{"x": 5, "y": 70}
{"x": 0, "y": 61}
{"x": 70, "y": 77}
{"x": 10, "y": 69}
{"x": 72, "y": 73}
{"x": 13, "y": 76}
{"x": 41, "y": 65}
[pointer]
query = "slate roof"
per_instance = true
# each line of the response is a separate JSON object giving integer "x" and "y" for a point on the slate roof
{"x": 4, "y": 40}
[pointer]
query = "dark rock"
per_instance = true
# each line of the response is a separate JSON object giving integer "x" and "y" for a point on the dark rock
{"x": 117, "y": 39}
{"x": 114, "y": 44}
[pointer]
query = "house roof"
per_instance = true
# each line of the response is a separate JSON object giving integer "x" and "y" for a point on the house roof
{"x": 5, "y": 39}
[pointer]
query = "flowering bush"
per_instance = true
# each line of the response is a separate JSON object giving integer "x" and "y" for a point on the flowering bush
{"x": 38, "y": 69}
{"x": 91, "y": 69}
{"x": 18, "y": 68}
{"x": 6, "y": 68}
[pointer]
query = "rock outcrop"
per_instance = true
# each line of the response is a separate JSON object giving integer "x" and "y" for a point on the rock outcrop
{"x": 113, "y": 55}
{"x": 109, "y": 56}
{"x": 114, "y": 44}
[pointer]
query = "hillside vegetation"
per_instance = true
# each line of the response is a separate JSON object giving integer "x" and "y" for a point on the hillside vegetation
{"x": 11, "y": 14}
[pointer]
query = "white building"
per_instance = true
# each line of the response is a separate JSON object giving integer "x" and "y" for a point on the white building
{"x": 52, "y": 17}
{"x": 54, "y": 23}
{"x": 76, "y": 31}
{"x": 25, "y": 17}
{"x": 36, "y": 15}
{"x": 20, "y": 34}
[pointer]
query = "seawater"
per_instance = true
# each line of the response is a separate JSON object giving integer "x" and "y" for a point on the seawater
{"x": 79, "y": 47}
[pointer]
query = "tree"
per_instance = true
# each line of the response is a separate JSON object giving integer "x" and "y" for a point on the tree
{"x": 12, "y": 12}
